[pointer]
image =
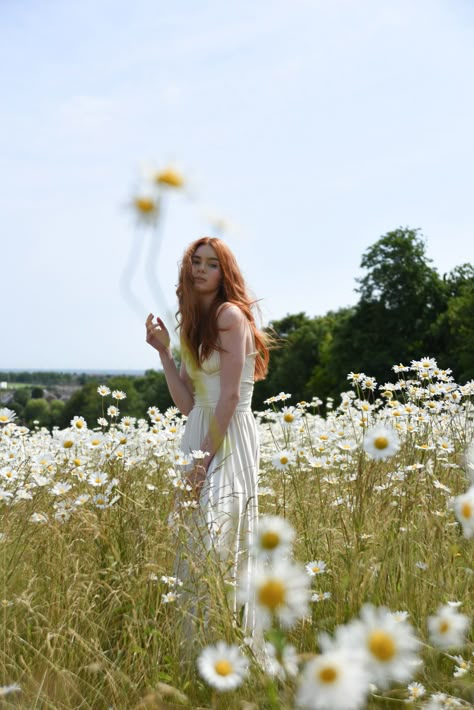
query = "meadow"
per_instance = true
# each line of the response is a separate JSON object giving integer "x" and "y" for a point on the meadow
{"x": 367, "y": 527}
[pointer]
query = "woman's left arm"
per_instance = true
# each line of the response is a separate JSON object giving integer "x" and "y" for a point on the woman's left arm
{"x": 233, "y": 327}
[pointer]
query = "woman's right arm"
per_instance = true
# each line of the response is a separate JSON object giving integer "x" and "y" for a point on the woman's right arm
{"x": 179, "y": 384}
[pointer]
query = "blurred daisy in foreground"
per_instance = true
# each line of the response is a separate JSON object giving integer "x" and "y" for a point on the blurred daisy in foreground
{"x": 380, "y": 442}
{"x": 274, "y": 537}
{"x": 389, "y": 644}
{"x": 448, "y": 627}
{"x": 334, "y": 680}
{"x": 146, "y": 207}
{"x": 169, "y": 177}
{"x": 281, "y": 593}
{"x": 463, "y": 507}
{"x": 223, "y": 667}
{"x": 469, "y": 460}
{"x": 7, "y": 689}
{"x": 282, "y": 665}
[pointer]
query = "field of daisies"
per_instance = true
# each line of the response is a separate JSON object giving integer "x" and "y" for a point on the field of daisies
{"x": 362, "y": 587}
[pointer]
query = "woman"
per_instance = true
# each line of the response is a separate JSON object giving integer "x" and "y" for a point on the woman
{"x": 223, "y": 353}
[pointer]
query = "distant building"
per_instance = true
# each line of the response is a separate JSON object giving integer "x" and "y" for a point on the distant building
{"x": 3, "y": 385}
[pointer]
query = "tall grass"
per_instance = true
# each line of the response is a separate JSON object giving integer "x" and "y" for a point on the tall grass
{"x": 85, "y": 618}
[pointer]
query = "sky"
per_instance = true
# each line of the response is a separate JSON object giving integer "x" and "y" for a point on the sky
{"x": 311, "y": 127}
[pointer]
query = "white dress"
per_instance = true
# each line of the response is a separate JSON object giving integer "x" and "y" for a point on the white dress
{"x": 228, "y": 504}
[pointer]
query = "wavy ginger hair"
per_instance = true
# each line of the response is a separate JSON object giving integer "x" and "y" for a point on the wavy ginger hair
{"x": 199, "y": 329}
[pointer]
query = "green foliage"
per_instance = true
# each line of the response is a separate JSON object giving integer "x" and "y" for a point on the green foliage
{"x": 86, "y": 403}
{"x": 37, "y": 410}
{"x": 153, "y": 391}
{"x": 56, "y": 408}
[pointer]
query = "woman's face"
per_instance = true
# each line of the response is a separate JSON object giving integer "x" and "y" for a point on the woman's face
{"x": 206, "y": 271}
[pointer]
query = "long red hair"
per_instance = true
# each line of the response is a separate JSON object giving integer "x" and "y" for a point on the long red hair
{"x": 199, "y": 331}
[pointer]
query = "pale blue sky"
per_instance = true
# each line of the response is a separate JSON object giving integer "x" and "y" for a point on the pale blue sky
{"x": 313, "y": 126}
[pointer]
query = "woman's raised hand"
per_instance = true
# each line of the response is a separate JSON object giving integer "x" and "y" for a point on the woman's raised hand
{"x": 157, "y": 334}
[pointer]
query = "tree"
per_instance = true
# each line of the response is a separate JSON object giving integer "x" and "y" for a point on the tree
{"x": 153, "y": 391}
{"x": 37, "y": 410}
{"x": 301, "y": 348}
{"x": 401, "y": 296}
{"x": 460, "y": 321}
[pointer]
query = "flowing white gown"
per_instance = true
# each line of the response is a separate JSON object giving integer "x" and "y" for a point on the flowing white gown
{"x": 228, "y": 504}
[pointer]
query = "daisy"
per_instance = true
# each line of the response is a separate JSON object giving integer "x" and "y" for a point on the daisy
{"x": 381, "y": 442}
{"x": 282, "y": 665}
{"x": 462, "y": 667}
{"x": 170, "y": 177}
{"x": 469, "y": 460}
{"x": 147, "y": 208}
{"x": 101, "y": 501}
{"x": 463, "y": 506}
{"x": 61, "y": 488}
{"x": 390, "y": 645}
{"x": 118, "y": 394}
{"x": 448, "y": 627}
{"x": 274, "y": 536}
{"x": 334, "y": 680}
{"x": 289, "y": 416}
{"x": 283, "y": 459}
{"x": 98, "y": 478}
{"x": 169, "y": 597}
{"x": 281, "y": 592}
{"x": 7, "y": 689}
{"x": 223, "y": 667}
{"x": 320, "y": 596}
{"x": 103, "y": 390}
{"x": 112, "y": 411}
{"x": 415, "y": 691}
{"x": 78, "y": 423}
{"x": 7, "y": 415}
{"x": 316, "y": 567}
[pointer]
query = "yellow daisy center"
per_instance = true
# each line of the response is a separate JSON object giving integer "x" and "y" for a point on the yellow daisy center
{"x": 444, "y": 627}
{"x": 79, "y": 425}
{"x": 328, "y": 674}
{"x": 381, "y": 442}
{"x": 288, "y": 417}
{"x": 316, "y": 569}
{"x": 284, "y": 460}
{"x": 272, "y": 594}
{"x": 170, "y": 177}
{"x": 144, "y": 204}
{"x": 382, "y": 645}
{"x": 3, "y": 418}
{"x": 223, "y": 667}
{"x": 270, "y": 540}
{"x": 95, "y": 442}
{"x": 466, "y": 510}
{"x": 68, "y": 443}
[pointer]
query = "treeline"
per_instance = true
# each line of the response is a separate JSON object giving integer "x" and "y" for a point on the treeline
{"x": 406, "y": 310}
{"x": 34, "y": 409}
{"x": 44, "y": 377}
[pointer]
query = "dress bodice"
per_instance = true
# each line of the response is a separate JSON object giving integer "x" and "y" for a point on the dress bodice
{"x": 207, "y": 381}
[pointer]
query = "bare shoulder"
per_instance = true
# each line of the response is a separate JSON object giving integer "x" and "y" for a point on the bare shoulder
{"x": 230, "y": 316}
